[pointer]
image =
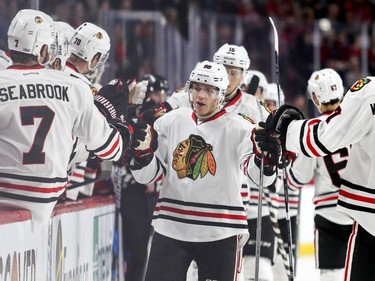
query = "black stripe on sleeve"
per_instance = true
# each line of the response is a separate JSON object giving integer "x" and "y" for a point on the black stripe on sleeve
{"x": 317, "y": 141}
{"x": 106, "y": 144}
{"x": 301, "y": 139}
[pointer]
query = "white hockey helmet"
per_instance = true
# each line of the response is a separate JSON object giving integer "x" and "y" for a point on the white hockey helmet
{"x": 262, "y": 78}
{"x": 5, "y": 60}
{"x": 67, "y": 29}
{"x": 88, "y": 40}
{"x": 213, "y": 74}
{"x": 271, "y": 93}
{"x": 326, "y": 84}
{"x": 29, "y": 30}
{"x": 232, "y": 55}
{"x": 64, "y": 33}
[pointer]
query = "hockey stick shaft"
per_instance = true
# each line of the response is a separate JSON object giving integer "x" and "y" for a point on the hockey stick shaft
{"x": 289, "y": 230}
{"x": 276, "y": 229}
{"x": 259, "y": 220}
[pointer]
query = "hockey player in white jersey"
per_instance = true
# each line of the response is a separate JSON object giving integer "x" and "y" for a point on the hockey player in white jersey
{"x": 332, "y": 228}
{"x": 202, "y": 154}
{"x": 40, "y": 109}
{"x": 352, "y": 123}
{"x": 89, "y": 48}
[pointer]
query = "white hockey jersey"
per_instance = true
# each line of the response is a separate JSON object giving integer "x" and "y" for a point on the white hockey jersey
{"x": 353, "y": 122}
{"x": 79, "y": 169}
{"x": 257, "y": 111}
{"x": 203, "y": 166}
{"x": 327, "y": 173}
{"x": 40, "y": 110}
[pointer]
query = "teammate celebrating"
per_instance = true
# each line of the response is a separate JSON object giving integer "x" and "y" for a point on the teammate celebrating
{"x": 200, "y": 215}
{"x": 351, "y": 123}
{"x": 332, "y": 228}
{"x": 40, "y": 109}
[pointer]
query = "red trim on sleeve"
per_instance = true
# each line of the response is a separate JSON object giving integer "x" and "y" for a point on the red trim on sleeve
{"x": 308, "y": 137}
{"x": 113, "y": 148}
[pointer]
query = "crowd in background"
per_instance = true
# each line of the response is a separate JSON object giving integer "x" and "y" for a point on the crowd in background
{"x": 340, "y": 48}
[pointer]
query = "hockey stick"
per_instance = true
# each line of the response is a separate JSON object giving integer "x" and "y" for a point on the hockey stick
{"x": 259, "y": 219}
{"x": 276, "y": 230}
{"x": 117, "y": 248}
{"x": 289, "y": 231}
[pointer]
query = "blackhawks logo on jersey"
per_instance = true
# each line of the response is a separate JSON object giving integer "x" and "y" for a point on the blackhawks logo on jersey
{"x": 359, "y": 84}
{"x": 193, "y": 157}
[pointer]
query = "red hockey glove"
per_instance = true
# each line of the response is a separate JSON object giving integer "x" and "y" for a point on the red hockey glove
{"x": 152, "y": 111}
{"x": 144, "y": 144}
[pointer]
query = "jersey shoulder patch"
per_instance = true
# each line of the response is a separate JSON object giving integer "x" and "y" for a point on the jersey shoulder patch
{"x": 359, "y": 84}
{"x": 262, "y": 103}
{"x": 246, "y": 118}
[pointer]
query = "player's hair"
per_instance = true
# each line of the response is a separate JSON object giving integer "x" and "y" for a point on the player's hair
{"x": 22, "y": 58}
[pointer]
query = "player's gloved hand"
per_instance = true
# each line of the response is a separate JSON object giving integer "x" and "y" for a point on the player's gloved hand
{"x": 264, "y": 141}
{"x": 279, "y": 120}
{"x": 126, "y": 131}
{"x": 144, "y": 144}
{"x": 152, "y": 111}
{"x": 137, "y": 91}
{"x": 287, "y": 158}
{"x": 112, "y": 99}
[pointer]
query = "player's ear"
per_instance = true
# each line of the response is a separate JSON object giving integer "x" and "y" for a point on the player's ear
{"x": 95, "y": 60}
{"x": 43, "y": 55}
{"x": 57, "y": 64}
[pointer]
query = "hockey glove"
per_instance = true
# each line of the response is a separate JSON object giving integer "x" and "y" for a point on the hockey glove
{"x": 125, "y": 130}
{"x": 287, "y": 157}
{"x": 112, "y": 99}
{"x": 279, "y": 120}
{"x": 144, "y": 144}
{"x": 137, "y": 91}
{"x": 152, "y": 111}
{"x": 265, "y": 142}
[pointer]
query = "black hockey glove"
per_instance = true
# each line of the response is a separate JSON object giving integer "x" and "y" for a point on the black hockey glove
{"x": 125, "y": 130}
{"x": 152, "y": 111}
{"x": 112, "y": 99}
{"x": 144, "y": 144}
{"x": 265, "y": 142}
{"x": 279, "y": 120}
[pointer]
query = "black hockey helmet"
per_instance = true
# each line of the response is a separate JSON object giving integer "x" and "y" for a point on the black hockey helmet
{"x": 156, "y": 83}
